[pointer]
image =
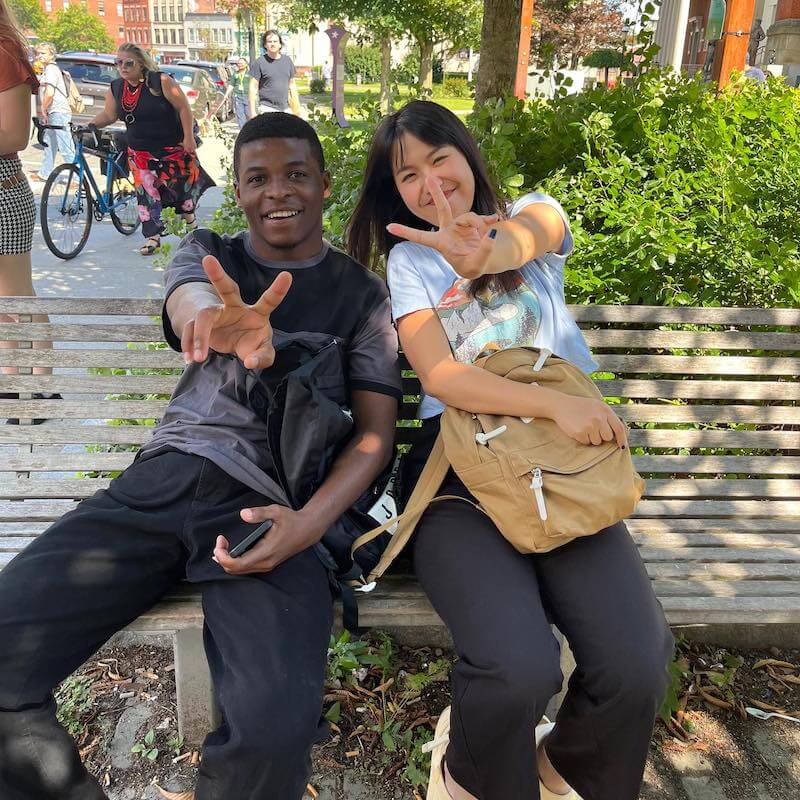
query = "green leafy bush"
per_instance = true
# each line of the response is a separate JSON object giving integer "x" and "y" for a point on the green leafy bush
{"x": 317, "y": 85}
{"x": 676, "y": 196}
{"x": 364, "y": 61}
{"x": 456, "y": 87}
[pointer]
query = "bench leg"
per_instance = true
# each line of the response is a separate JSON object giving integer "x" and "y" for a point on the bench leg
{"x": 197, "y": 712}
{"x": 567, "y": 667}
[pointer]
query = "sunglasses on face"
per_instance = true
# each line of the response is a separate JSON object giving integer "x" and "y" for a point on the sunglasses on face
{"x": 125, "y": 62}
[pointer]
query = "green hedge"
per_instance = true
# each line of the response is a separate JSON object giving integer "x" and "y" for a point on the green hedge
{"x": 676, "y": 196}
{"x": 364, "y": 61}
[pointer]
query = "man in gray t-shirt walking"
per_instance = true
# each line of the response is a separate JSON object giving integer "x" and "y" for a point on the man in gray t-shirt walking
{"x": 272, "y": 86}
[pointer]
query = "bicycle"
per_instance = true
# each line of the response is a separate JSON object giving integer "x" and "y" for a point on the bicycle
{"x": 71, "y": 198}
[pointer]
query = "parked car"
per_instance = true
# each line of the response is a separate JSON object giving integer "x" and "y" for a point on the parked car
{"x": 219, "y": 75}
{"x": 92, "y": 74}
{"x": 200, "y": 91}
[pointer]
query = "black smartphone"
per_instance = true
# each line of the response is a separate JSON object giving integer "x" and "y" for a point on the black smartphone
{"x": 250, "y": 539}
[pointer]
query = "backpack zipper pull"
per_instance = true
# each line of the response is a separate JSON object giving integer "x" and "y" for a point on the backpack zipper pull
{"x": 483, "y": 438}
{"x": 544, "y": 354}
{"x": 537, "y": 485}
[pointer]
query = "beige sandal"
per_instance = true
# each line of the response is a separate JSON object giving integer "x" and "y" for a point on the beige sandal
{"x": 437, "y": 747}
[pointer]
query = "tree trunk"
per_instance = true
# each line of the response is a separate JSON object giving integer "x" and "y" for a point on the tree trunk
{"x": 251, "y": 37}
{"x": 425, "y": 79}
{"x": 499, "y": 38}
{"x": 386, "y": 74}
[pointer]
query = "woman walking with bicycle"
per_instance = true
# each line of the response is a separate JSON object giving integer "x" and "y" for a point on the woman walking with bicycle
{"x": 17, "y": 209}
{"x": 162, "y": 152}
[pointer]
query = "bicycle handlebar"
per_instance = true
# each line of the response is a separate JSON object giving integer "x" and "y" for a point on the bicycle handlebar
{"x": 75, "y": 130}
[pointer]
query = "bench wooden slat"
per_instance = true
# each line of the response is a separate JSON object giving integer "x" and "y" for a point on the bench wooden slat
{"x": 740, "y": 540}
{"x": 698, "y": 365}
{"x": 118, "y": 357}
{"x": 716, "y": 508}
{"x": 54, "y": 433}
{"x": 730, "y": 440}
{"x": 44, "y": 488}
{"x": 783, "y": 317}
{"x": 750, "y": 465}
{"x": 701, "y": 390}
{"x": 83, "y": 332}
{"x": 721, "y": 555}
{"x": 724, "y": 588}
{"x": 687, "y": 570}
{"x": 667, "y": 413}
{"x": 83, "y": 306}
{"x": 682, "y": 525}
{"x": 75, "y": 409}
{"x": 34, "y": 510}
{"x": 690, "y": 340}
{"x": 754, "y": 488}
{"x": 90, "y": 384}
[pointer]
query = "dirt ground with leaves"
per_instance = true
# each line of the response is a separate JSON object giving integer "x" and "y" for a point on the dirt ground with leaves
{"x": 381, "y": 706}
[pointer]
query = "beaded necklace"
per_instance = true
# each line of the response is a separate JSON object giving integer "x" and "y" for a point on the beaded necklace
{"x": 130, "y": 99}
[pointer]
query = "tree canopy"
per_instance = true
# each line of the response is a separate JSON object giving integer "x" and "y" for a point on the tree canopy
{"x": 75, "y": 28}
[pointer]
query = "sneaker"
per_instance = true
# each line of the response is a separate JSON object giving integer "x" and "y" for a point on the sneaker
{"x": 437, "y": 747}
{"x": 543, "y": 730}
{"x": 38, "y": 396}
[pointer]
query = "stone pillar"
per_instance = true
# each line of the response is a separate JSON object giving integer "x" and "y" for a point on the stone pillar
{"x": 784, "y": 36}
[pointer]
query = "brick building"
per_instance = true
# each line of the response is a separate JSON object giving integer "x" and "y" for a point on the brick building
{"x": 138, "y": 28}
{"x": 109, "y": 12}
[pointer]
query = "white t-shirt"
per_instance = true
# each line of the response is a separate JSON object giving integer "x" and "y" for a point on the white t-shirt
{"x": 52, "y": 77}
{"x": 533, "y": 315}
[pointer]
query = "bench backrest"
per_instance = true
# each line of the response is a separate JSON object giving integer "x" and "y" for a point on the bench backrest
{"x": 711, "y": 396}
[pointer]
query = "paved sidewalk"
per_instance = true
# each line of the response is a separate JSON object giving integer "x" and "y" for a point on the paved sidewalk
{"x": 110, "y": 264}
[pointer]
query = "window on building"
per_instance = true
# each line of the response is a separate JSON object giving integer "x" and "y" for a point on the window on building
{"x": 48, "y": 5}
{"x": 180, "y": 35}
{"x": 180, "y": 13}
{"x": 172, "y": 13}
{"x": 158, "y": 36}
{"x": 101, "y": 7}
{"x": 156, "y": 18}
{"x": 66, "y": 4}
{"x": 119, "y": 9}
{"x": 172, "y": 36}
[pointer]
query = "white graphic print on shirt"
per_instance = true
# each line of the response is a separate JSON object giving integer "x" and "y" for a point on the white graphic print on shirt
{"x": 501, "y": 318}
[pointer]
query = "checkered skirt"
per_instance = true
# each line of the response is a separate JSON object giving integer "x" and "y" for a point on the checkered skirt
{"x": 17, "y": 212}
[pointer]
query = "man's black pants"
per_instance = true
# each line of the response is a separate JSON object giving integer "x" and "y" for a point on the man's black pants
{"x": 499, "y": 604}
{"x": 105, "y": 563}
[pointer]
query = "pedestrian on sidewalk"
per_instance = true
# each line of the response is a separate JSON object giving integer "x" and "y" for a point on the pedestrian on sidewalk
{"x": 272, "y": 84}
{"x": 239, "y": 87}
{"x": 53, "y": 110}
{"x": 17, "y": 208}
{"x": 162, "y": 150}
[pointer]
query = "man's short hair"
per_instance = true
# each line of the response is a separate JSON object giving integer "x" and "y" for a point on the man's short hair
{"x": 277, "y": 125}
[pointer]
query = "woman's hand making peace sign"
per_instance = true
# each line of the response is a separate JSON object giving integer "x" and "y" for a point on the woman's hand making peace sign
{"x": 466, "y": 241}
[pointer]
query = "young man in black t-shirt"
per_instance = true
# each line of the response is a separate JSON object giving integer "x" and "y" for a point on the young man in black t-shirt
{"x": 202, "y": 479}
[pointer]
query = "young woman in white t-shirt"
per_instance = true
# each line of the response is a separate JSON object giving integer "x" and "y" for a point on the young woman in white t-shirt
{"x": 463, "y": 272}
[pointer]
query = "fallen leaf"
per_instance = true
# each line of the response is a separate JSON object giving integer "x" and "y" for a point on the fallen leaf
{"x": 312, "y": 791}
{"x": 715, "y": 701}
{"x": 773, "y": 662}
{"x": 352, "y": 753}
{"x": 767, "y": 706}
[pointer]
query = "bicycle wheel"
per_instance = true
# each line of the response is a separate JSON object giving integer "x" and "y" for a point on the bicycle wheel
{"x": 125, "y": 217}
{"x": 66, "y": 211}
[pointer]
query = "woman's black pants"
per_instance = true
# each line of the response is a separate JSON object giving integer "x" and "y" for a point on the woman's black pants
{"x": 499, "y": 605}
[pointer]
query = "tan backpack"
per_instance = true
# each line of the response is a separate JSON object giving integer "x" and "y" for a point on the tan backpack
{"x": 74, "y": 97}
{"x": 540, "y": 487}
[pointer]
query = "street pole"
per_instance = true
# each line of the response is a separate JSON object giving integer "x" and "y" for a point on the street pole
{"x": 732, "y": 49}
{"x": 524, "y": 50}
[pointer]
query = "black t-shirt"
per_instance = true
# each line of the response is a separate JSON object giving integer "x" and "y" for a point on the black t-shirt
{"x": 154, "y": 124}
{"x": 331, "y": 294}
{"x": 273, "y": 76}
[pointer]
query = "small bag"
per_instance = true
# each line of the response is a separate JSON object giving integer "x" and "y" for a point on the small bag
{"x": 74, "y": 98}
{"x": 540, "y": 487}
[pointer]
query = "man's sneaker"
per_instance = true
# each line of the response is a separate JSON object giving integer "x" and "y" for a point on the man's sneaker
{"x": 437, "y": 747}
{"x": 543, "y": 730}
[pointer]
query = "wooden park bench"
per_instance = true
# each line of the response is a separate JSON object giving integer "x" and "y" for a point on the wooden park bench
{"x": 715, "y": 412}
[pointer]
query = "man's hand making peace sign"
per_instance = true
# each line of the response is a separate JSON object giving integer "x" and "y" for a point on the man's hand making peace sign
{"x": 218, "y": 319}
{"x": 466, "y": 241}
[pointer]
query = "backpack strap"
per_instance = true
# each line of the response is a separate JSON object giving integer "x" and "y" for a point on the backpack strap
{"x": 424, "y": 494}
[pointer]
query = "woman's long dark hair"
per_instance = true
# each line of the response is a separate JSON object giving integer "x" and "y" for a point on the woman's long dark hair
{"x": 380, "y": 203}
